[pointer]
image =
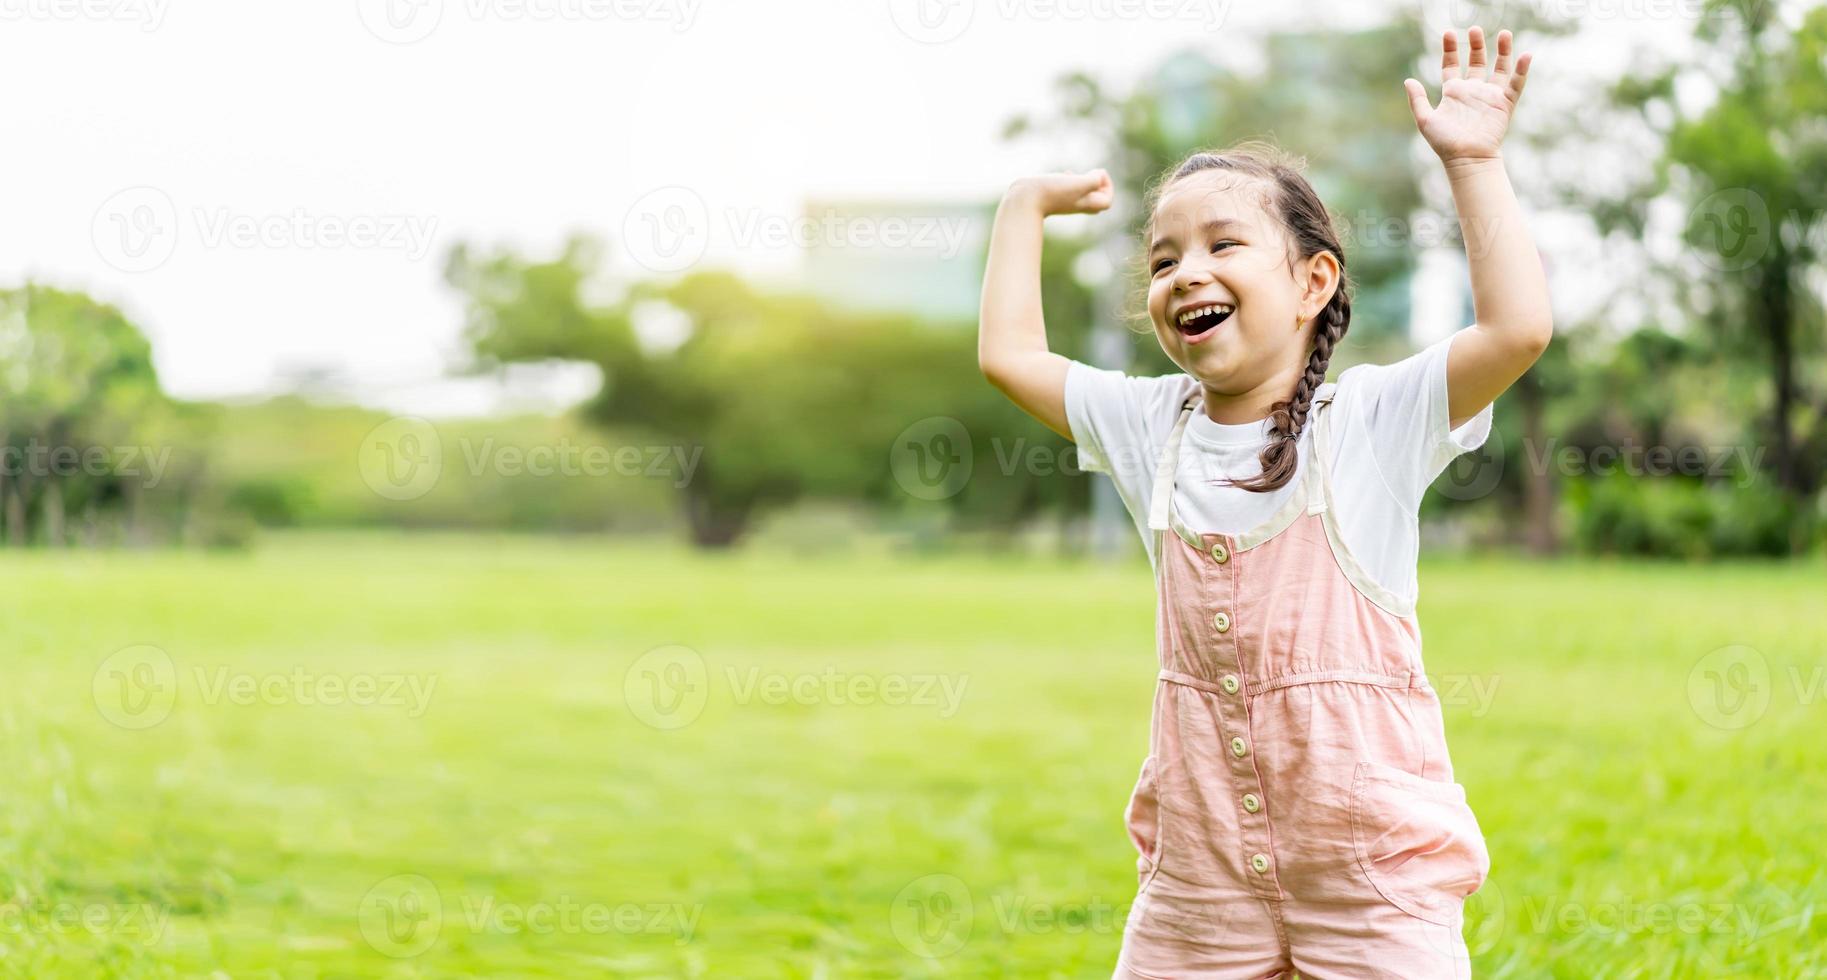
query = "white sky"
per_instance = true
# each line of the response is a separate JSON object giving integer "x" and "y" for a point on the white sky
{"x": 189, "y": 159}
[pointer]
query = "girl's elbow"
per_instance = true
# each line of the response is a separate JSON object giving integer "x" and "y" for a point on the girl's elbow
{"x": 1537, "y": 335}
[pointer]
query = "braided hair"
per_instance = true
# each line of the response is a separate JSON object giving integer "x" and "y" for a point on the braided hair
{"x": 1311, "y": 228}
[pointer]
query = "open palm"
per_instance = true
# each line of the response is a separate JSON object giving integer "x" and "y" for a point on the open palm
{"x": 1475, "y": 106}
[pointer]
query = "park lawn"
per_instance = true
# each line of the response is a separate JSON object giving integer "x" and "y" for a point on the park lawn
{"x": 855, "y": 766}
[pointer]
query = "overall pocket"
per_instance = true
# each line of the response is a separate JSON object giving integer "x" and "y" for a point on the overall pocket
{"x": 1143, "y": 819}
{"x": 1417, "y": 841}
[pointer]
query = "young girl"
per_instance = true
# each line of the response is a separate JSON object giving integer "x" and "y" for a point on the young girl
{"x": 1297, "y": 809}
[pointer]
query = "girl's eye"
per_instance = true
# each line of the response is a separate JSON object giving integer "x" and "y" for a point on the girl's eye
{"x": 1161, "y": 264}
{"x": 1216, "y": 246}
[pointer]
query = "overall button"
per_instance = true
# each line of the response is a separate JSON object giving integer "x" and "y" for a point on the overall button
{"x": 1222, "y": 622}
{"x": 1251, "y": 803}
{"x": 1238, "y": 749}
{"x": 1260, "y": 862}
{"x": 1220, "y": 553}
{"x": 1229, "y": 684}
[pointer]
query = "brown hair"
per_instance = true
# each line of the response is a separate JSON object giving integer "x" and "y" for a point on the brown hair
{"x": 1311, "y": 228}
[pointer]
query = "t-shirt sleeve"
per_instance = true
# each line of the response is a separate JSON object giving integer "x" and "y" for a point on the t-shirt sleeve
{"x": 1404, "y": 409}
{"x": 1119, "y": 422}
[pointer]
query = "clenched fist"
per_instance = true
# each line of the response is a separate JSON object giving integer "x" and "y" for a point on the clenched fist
{"x": 1086, "y": 193}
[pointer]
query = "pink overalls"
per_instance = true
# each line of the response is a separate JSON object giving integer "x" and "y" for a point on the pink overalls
{"x": 1297, "y": 810}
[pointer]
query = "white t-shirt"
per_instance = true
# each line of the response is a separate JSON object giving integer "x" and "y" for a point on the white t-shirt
{"x": 1390, "y": 437}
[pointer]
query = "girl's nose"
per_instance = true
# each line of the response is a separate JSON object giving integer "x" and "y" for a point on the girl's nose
{"x": 1189, "y": 277}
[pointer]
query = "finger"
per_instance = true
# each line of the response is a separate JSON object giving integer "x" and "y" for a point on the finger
{"x": 1502, "y": 67}
{"x": 1417, "y": 100}
{"x": 1523, "y": 61}
{"x": 1449, "y": 62}
{"x": 1475, "y": 67}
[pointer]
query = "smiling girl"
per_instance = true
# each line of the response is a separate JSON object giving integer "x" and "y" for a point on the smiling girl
{"x": 1297, "y": 809}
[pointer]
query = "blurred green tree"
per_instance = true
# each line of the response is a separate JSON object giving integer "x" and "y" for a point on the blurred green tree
{"x": 75, "y": 376}
{"x": 1748, "y": 164}
{"x": 785, "y": 396}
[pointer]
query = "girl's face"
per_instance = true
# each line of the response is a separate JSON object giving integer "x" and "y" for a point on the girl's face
{"x": 1229, "y": 302}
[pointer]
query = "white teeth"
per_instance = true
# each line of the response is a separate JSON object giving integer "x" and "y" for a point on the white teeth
{"x": 1189, "y": 315}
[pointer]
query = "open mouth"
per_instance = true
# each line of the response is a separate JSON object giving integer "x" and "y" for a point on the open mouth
{"x": 1198, "y": 323}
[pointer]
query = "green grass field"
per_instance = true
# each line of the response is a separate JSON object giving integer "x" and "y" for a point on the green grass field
{"x": 343, "y": 756}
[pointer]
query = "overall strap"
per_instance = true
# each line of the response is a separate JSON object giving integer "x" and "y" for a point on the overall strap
{"x": 1162, "y": 499}
{"x": 1316, "y": 485}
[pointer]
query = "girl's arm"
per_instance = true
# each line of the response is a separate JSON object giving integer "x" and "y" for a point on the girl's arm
{"x": 1012, "y": 338}
{"x": 1509, "y": 289}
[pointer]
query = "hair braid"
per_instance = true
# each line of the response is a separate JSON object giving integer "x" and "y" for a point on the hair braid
{"x": 1288, "y": 418}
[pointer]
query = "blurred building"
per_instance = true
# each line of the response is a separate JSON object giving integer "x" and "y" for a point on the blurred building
{"x": 924, "y": 258}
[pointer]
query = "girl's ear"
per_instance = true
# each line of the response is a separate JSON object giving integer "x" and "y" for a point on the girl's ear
{"x": 1320, "y": 277}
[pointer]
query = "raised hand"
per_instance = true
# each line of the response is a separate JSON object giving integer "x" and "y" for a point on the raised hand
{"x": 1086, "y": 193}
{"x": 1475, "y": 106}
